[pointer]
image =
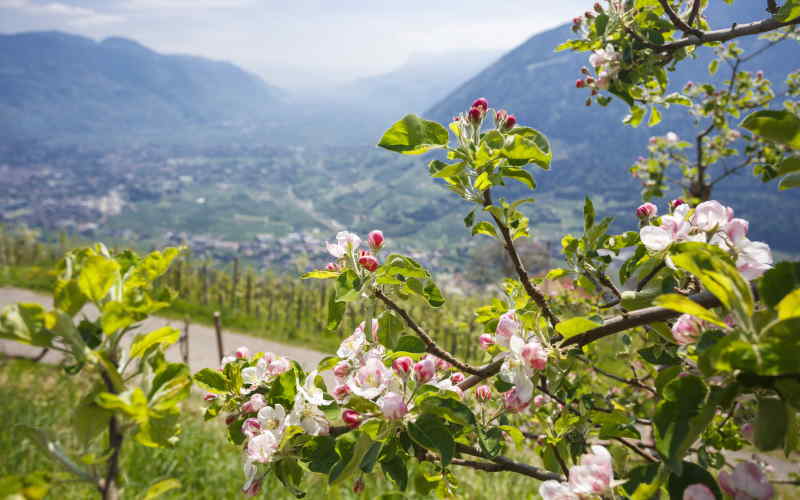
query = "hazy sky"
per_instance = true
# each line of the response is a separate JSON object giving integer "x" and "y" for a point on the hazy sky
{"x": 283, "y": 39}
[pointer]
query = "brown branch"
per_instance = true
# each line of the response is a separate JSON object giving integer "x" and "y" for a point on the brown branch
{"x": 635, "y": 449}
{"x": 723, "y": 35}
{"x": 108, "y": 488}
{"x": 633, "y": 319}
{"x": 430, "y": 344}
{"x": 677, "y": 21}
{"x": 631, "y": 382}
{"x": 772, "y": 7}
{"x": 695, "y": 11}
{"x": 510, "y": 465}
{"x": 533, "y": 292}
{"x": 652, "y": 274}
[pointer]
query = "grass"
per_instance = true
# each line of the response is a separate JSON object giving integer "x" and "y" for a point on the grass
{"x": 207, "y": 466}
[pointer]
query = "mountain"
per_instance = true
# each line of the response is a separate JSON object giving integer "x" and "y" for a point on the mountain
{"x": 593, "y": 149}
{"x": 55, "y": 84}
{"x": 357, "y": 112}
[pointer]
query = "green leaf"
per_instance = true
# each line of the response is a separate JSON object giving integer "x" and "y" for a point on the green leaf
{"x": 655, "y": 117}
{"x": 680, "y": 418}
{"x": 644, "y": 481}
{"x": 164, "y": 336}
{"x": 25, "y": 323}
{"x": 290, "y": 475}
{"x": 588, "y": 214}
{"x": 68, "y": 297}
{"x": 575, "y": 326}
{"x": 151, "y": 267}
{"x": 788, "y": 11}
{"x": 211, "y": 380}
{"x": 447, "y": 408}
{"x": 336, "y": 312}
{"x": 778, "y": 126}
{"x": 684, "y": 304}
{"x": 791, "y": 181}
{"x": 634, "y": 119}
{"x": 484, "y": 227}
{"x": 520, "y": 175}
{"x": 788, "y": 165}
{"x": 440, "y": 170}
{"x": 351, "y": 458}
{"x": 161, "y": 487}
{"x": 779, "y": 348}
{"x": 771, "y": 424}
{"x": 97, "y": 276}
{"x": 789, "y": 390}
{"x": 389, "y": 329}
{"x": 789, "y": 306}
{"x": 429, "y": 432}
{"x": 713, "y": 66}
{"x": 779, "y": 282}
{"x": 89, "y": 419}
{"x": 412, "y": 135}
{"x": 395, "y": 467}
{"x": 320, "y": 454}
{"x": 117, "y": 316}
{"x": 527, "y": 145}
{"x": 410, "y": 343}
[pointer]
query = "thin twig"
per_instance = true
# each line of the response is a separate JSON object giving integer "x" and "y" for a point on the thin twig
{"x": 430, "y": 344}
{"x": 631, "y": 382}
{"x": 652, "y": 274}
{"x": 511, "y": 465}
{"x": 723, "y": 35}
{"x": 531, "y": 290}
{"x": 677, "y": 21}
{"x": 695, "y": 11}
{"x": 635, "y": 449}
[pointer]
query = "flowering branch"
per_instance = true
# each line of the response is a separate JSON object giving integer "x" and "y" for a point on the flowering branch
{"x": 432, "y": 347}
{"x": 532, "y": 291}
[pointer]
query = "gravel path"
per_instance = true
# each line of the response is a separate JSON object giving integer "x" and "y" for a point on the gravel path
{"x": 202, "y": 338}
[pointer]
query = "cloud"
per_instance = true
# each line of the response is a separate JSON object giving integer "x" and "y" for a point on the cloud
{"x": 71, "y": 14}
{"x": 187, "y": 4}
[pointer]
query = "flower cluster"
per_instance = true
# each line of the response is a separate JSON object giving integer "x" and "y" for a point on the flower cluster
{"x": 469, "y": 123}
{"x": 523, "y": 355}
{"x": 710, "y": 222}
{"x": 593, "y": 476}
{"x": 348, "y": 254}
{"x": 747, "y": 482}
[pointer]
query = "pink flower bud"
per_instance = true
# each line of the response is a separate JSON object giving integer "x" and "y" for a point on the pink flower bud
{"x": 341, "y": 391}
{"x": 580, "y": 83}
{"x": 441, "y": 364}
{"x": 351, "y": 418}
{"x": 251, "y": 427}
{"x": 510, "y": 122}
{"x": 358, "y": 486}
{"x": 689, "y": 85}
{"x": 375, "y": 240}
{"x": 535, "y": 355}
{"x": 589, "y": 81}
{"x": 485, "y": 340}
{"x": 759, "y": 75}
{"x": 589, "y": 15}
{"x": 210, "y": 396}
{"x": 457, "y": 378}
{"x": 456, "y": 118}
{"x": 598, "y": 8}
{"x": 475, "y": 115}
{"x": 369, "y": 262}
{"x": 230, "y": 419}
{"x": 393, "y": 406}
{"x": 686, "y": 329}
{"x": 342, "y": 369}
{"x": 577, "y": 21}
{"x": 254, "y": 489}
{"x": 646, "y": 210}
{"x": 507, "y": 326}
{"x": 333, "y": 267}
{"x": 424, "y": 370}
{"x": 677, "y": 202}
{"x": 512, "y": 401}
{"x": 540, "y": 400}
{"x": 500, "y": 117}
{"x": 482, "y": 104}
{"x": 484, "y": 392}
{"x": 242, "y": 353}
{"x": 402, "y": 366}
{"x": 255, "y": 403}
{"x": 653, "y": 140}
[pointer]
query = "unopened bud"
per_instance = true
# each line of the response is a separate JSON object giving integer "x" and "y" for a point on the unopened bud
{"x": 646, "y": 210}
{"x": 332, "y": 267}
{"x": 369, "y": 262}
{"x": 210, "y": 396}
{"x": 588, "y": 101}
{"x": 375, "y": 240}
{"x": 510, "y": 122}
{"x": 457, "y": 378}
{"x": 242, "y": 353}
{"x": 424, "y": 370}
{"x": 598, "y": 8}
{"x": 676, "y": 203}
{"x": 358, "y": 486}
{"x": 402, "y": 366}
{"x": 485, "y": 340}
{"x": 481, "y": 103}
{"x": 577, "y": 21}
{"x": 589, "y": 15}
{"x": 475, "y": 115}
{"x": 759, "y": 75}
{"x": 580, "y": 83}
{"x": 342, "y": 369}
{"x": 484, "y": 392}
{"x": 351, "y": 418}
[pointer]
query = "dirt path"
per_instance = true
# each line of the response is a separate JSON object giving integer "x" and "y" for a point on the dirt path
{"x": 202, "y": 339}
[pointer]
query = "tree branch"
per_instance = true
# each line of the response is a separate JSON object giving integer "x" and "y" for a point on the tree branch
{"x": 723, "y": 35}
{"x": 531, "y": 290}
{"x": 695, "y": 11}
{"x": 677, "y": 21}
{"x": 635, "y": 449}
{"x": 431, "y": 345}
{"x": 652, "y": 274}
{"x": 108, "y": 488}
{"x": 510, "y": 465}
{"x": 631, "y": 382}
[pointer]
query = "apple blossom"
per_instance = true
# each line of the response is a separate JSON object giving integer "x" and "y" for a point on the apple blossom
{"x": 242, "y": 353}
{"x": 309, "y": 417}
{"x": 483, "y": 392}
{"x": 594, "y": 475}
{"x": 341, "y": 391}
{"x": 255, "y": 403}
{"x": 485, "y": 340}
{"x": 375, "y": 240}
{"x": 402, "y": 366}
{"x": 746, "y": 483}
{"x": 507, "y": 325}
{"x": 210, "y": 396}
{"x": 369, "y": 262}
{"x": 392, "y": 406}
{"x": 481, "y": 103}
{"x": 262, "y": 447}
{"x": 646, "y": 210}
{"x": 534, "y": 354}
{"x": 755, "y": 258}
{"x": 424, "y": 370}
{"x": 475, "y": 115}
{"x": 540, "y": 400}
{"x": 272, "y": 419}
{"x": 371, "y": 379}
{"x": 553, "y": 490}
{"x": 672, "y": 138}
{"x": 225, "y": 360}
{"x": 512, "y": 401}
{"x": 346, "y": 242}
{"x": 655, "y": 238}
{"x": 698, "y": 491}
{"x": 251, "y": 427}
{"x": 686, "y": 329}
{"x": 352, "y": 345}
{"x": 333, "y": 267}
{"x": 252, "y": 486}
{"x": 342, "y": 369}
{"x": 710, "y": 216}
{"x": 457, "y": 378}
{"x": 747, "y": 431}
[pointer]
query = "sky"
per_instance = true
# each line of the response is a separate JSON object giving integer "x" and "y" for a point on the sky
{"x": 289, "y": 42}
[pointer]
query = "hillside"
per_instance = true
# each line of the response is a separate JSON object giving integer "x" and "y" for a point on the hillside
{"x": 56, "y": 84}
